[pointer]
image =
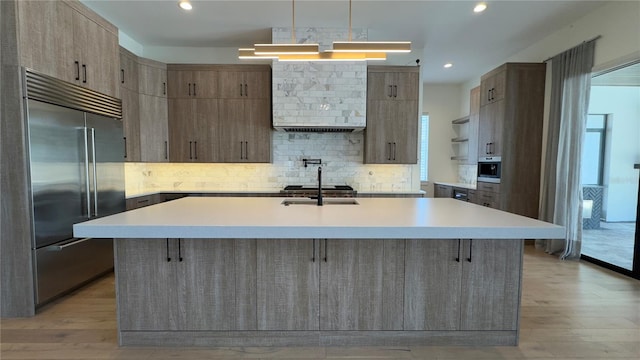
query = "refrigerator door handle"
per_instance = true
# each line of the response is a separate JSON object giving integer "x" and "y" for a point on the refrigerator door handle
{"x": 95, "y": 172}
{"x": 62, "y": 247}
{"x": 86, "y": 168}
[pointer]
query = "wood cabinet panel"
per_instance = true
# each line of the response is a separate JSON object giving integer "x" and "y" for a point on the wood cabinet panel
{"x": 491, "y": 284}
{"x": 146, "y": 282}
{"x": 131, "y": 124}
{"x": 361, "y": 285}
{"x": 201, "y": 84}
{"x": 287, "y": 285}
{"x": 244, "y": 84}
{"x": 491, "y": 129}
{"x": 433, "y": 270}
{"x": 442, "y": 191}
{"x": 128, "y": 70}
{"x": 245, "y": 131}
{"x": 154, "y": 139}
{"x": 152, "y": 78}
{"x": 181, "y": 114}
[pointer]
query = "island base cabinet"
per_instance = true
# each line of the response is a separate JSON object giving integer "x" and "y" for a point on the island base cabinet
{"x": 491, "y": 284}
{"x": 186, "y": 284}
{"x": 361, "y": 285}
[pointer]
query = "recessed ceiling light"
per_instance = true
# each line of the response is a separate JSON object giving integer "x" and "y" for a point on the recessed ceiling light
{"x": 185, "y": 5}
{"x": 448, "y": 65}
{"x": 480, "y": 7}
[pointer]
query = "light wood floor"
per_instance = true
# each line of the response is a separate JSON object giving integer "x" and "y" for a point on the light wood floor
{"x": 570, "y": 310}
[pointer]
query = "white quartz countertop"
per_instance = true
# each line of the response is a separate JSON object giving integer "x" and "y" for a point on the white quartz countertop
{"x": 373, "y": 218}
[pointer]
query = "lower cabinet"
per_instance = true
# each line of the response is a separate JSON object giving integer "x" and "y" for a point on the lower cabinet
{"x": 442, "y": 191}
{"x": 462, "y": 285}
{"x": 186, "y": 284}
{"x": 289, "y": 286}
{"x": 330, "y": 284}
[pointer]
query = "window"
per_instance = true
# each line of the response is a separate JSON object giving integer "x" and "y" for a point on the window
{"x": 593, "y": 150}
{"x": 424, "y": 146}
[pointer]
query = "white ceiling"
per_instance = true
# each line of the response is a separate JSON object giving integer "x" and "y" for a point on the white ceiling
{"x": 448, "y": 31}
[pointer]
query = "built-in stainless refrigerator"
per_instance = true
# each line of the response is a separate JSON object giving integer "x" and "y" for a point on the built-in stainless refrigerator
{"x": 76, "y": 151}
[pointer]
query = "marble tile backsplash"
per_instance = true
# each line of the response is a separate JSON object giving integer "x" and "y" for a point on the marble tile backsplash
{"x": 467, "y": 174}
{"x": 341, "y": 156}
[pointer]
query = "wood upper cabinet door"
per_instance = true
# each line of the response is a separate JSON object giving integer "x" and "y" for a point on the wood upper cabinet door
{"x": 154, "y": 133}
{"x": 491, "y": 123}
{"x": 391, "y": 134}
{"x": 401, "y": 85}
{"x": 433, "y": 270}
{"x": 288, "y": 284}
{"x": 202, "y": 84}
{"x": 181, "y": 114}
{"x": 245, "y": 131}
{"x": 147, "y": 284}
{"x": 216, "y": 284}
{"x": 128, "y": 71}
{"x": 361, "y": 284}
{"x": 244, "y": 84}
{"x": 131, "y": 124}
{"x": 152, "y": 79}
{"x": 493, "y": 86}
{"x": 490, "y": 286}
{"x": 46, "y": 38}
{"x": 98, "y": 53}
{"x": 204, "y": 130}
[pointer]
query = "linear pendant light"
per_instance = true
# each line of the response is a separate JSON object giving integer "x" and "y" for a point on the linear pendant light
{"x": 370, "y": 46}
{"x": 335, "y": 56}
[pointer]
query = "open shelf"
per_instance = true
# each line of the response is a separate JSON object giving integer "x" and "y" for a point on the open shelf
{"x": 459, "y": 158}
{"x": 462, "y": 120}
{"x": 459, "y": 140}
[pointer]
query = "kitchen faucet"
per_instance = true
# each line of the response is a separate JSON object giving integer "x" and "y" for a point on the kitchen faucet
{"x": 319, "y": 185}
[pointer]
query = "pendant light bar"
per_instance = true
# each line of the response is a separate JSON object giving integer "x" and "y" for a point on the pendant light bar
{"x": 286, "y": 49}
{"x": 372, "y": 46}
{"x": 335, "y": 56}
{"x": 249, "y": 54}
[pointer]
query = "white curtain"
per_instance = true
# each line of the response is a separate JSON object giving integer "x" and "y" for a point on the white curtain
{"x": 561, "y": 186}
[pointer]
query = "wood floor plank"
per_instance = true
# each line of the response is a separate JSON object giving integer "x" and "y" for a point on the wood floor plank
{"x": 570, "y": 310}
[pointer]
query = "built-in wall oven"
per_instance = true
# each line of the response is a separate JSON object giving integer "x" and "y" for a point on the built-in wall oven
{"x": 489, "y": 169}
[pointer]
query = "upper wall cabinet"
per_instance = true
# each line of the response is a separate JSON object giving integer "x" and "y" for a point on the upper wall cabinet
{"x": 391, "y": 136}
{"x": 193, "y": 84}
{"x": 248, "y": 82}
{"x": 70, "y": 42}
{"x": 391, "y": 84}
{"x": 152, "y": 78}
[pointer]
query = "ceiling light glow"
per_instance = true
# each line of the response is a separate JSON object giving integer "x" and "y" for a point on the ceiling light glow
{"x": 185, "y": 5}
{"x": 448, "y": 65}
{"x": 480, "y": 7}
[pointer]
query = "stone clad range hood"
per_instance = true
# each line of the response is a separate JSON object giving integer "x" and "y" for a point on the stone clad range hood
{"x": 319, "y": 96}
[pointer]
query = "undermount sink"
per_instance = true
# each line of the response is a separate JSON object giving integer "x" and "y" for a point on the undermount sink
{"x": 325, "y": 201}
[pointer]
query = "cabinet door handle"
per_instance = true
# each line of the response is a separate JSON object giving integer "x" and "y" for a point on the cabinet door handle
{"x": 395, "y": 91}
{"x": 189, "y": 89}
{"x": 325, "y": 250}
{"x": 84, "y": 72}
{"x": 190, "y": 150}
{"x": 394, "y": 151}
{"x": 180, "y": 250}
{"x": 246, "y": 90}
{"x": 390, "y": 91}
{"x": 77, "y": 69}
{"x": 246, "y": 150}
{"x": 240, "y": 89}
{"x": 122, "y": 76}
{"x": 313, "y": 251}
{"x": 195, "y": 149}
{"x": 458, "y": 258}
{"x": 194, "y": 89}
{"x": 164, "y": 88}
{"x": 486, "y": 148}
{"x": 168, "y": 257}
{"x": 470, "y": 250}
{"x": 125, "y": 147}
{"x": 166, "y": 150}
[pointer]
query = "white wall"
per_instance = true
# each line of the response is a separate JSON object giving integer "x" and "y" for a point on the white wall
{"x": 441, "y": 102}
{"x": 623, "y": 133}
{"x": 618, "y": 22}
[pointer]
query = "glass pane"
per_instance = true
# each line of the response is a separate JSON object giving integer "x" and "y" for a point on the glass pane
{"x": 591, "y": 158}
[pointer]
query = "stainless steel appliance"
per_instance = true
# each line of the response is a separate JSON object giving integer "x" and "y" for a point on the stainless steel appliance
{"x": 312, "y": 191}
{"x": 489, "y": 169}
{"x": 76, "y": 152}
{"x": 461, "y": 194}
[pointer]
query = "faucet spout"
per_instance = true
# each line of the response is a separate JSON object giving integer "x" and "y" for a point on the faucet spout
{"x": 319, "y": 185}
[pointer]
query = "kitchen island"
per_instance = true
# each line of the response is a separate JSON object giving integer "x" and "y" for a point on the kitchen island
{"x": 254, "y": 272}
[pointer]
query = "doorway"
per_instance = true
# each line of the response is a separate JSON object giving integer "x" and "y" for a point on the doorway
{"x": 610, "y": 175}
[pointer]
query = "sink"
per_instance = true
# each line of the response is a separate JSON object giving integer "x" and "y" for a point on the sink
{"x": 325, "y": 201}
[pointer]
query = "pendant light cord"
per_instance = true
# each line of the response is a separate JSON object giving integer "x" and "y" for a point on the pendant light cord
{"x": 293, "y": 21}
{"x": 349, "y": 20}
